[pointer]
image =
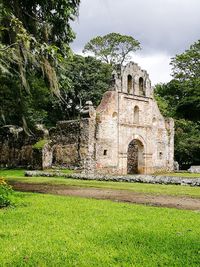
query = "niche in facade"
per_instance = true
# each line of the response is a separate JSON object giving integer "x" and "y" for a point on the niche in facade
{"x": 105, "y": 152}
{"x": 136, "y": 114}
{"x": 154, "y": 121}
{"x": 129, "y": 84}
{"x": 141, "y": 86}
{"x": 114, "y": 115}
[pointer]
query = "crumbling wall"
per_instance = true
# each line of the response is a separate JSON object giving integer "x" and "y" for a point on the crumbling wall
{"x": 16, "y": 150}
{"x": 70, "y": 144}
{"x": 73, "y": 143}
{"x": 65, "y": 143}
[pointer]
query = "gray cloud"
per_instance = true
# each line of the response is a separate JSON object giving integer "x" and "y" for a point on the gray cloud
{"x": 167, "y": 26}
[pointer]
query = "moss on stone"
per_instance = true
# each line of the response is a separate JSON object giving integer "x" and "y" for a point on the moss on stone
{"x": 40, "y": 144}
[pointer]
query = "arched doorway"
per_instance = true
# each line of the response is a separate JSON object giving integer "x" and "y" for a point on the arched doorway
{"x": 135, "y": 157}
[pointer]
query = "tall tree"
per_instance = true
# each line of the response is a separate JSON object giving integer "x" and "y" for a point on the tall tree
{"x": 112, "y": 48}
{"x": 183, "y": 92}
{"x": 180, "y": 98}
{"x": 34, "y": 39}
{"x": 38, "y": 32}
{"x": 186, "y": 66}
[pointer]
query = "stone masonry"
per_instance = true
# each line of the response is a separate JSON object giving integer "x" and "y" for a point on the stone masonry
{"x": 129, "y": 115}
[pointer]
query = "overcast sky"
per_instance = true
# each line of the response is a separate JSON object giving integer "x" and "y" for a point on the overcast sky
{"x": 163, "y": 27}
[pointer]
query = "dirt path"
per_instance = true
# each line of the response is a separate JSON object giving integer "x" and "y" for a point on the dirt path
{"x": 111, "y": 194}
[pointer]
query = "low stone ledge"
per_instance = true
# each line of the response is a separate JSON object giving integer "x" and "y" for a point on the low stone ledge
{"x": 194, "y": 169}
{"x": 151, "y": 179}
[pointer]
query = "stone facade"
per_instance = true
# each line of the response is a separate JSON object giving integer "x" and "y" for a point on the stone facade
{"x": 129, "y": 115}
{"x": 125, "y": 134}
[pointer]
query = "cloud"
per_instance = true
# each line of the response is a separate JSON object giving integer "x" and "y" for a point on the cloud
{"x": 163, "y": 27}
{"x": 169, "y": 25}
{"x": 157, "y": 65}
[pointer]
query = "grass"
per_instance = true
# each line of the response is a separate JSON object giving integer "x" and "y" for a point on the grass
{"x": 47, "y": 230}
{"x": 175, "y": 190}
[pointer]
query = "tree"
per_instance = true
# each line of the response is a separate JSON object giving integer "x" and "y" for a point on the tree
{"x": 186, "y": 66}
{"x": 180, "y": 99}
{"x": 34, "y": 39}
{"x": 187, "y": 143}
{"x": 183, "y": 92}
{"x": 88, "y": 78}
{"x": 112, "y": 48}
{"x": 81, "y": 79}
{"x": 38, "y": 33}
{"x": 168, "y": 97}
{"x": 186, "y": 70}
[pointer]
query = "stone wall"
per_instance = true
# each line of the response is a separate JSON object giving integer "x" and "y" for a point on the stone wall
{"x": 16, "y": 150}
{"x": 69, "y": 144}
{"x": 73, "y": 143}
{"x": 150, "y": 179}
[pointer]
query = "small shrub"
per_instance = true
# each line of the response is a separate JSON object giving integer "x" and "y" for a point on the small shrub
{"x": 5, "y": 192}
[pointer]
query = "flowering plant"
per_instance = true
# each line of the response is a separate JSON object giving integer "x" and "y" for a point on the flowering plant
{"x": 5, "y": 192}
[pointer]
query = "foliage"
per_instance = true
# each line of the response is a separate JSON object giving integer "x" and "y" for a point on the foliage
{"x": 180, "y": 99}
{"x": 84, "y": 232}
{"x": 34, "y": 39}
{"x": 186, "y": 70}
{"x": 81, "y": 79}
{"x": 5, "y": 192}
{"x": 187, "y": 143}
{"x": 15, "y": 104}
{"x": 89, "y": 79}
{"x": 112, "y": 48}
{"x": 40, "y": 144}
{"x": 186, "y": 66}
{"x": 168, "y": 96}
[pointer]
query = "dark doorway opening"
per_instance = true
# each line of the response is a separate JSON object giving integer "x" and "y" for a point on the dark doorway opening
{"x": 135, "y": 158}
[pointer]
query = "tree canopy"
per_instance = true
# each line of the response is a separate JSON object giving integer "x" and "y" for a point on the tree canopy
{"x": 186, "y": 66}
{"x": 35, "y": 34}
{"x": 34, "y": 40}
{"x": 112, "y": 48}
{"x": 180, "y": 99}
{"x": 90, "y": 78}
{"x": 81, "y": 79}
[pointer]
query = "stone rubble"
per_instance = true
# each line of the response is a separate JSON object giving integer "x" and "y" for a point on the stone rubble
{"x": 150, "y": 179}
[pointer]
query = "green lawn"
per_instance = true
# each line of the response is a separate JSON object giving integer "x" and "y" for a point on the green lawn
{"x": 176, "y": 190}
{"x": 47, "y": 230}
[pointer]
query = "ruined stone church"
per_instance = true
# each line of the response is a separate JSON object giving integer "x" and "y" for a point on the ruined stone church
{"x": 125, "y": 134}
